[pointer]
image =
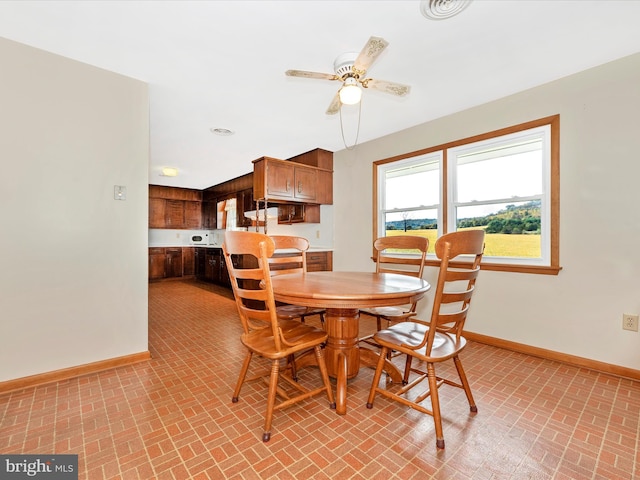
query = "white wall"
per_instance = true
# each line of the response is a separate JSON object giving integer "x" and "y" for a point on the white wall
{"x": 578, "y": 312}
{"x": 73, "y": 282}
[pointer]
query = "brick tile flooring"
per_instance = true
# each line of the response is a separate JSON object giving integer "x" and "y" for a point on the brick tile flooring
{"x": 172, "y": 417}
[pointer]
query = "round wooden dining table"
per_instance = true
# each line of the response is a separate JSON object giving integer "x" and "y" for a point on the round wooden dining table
{"x": 343, "y": 294}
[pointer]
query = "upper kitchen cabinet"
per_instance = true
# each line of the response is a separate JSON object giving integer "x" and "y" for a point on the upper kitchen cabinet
{"x": 173, "y": 207}
{"x": 287, "y": 181}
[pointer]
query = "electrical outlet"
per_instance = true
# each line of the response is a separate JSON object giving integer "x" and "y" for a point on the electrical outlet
{"x": 630, "y": 322}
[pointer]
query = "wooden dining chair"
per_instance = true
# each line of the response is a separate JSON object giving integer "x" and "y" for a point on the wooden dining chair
{"x": 291, "y": 257}
{"x": 439, "y": 339}
{"x": 391, "y": 257}
{"x": 262, "y": 333}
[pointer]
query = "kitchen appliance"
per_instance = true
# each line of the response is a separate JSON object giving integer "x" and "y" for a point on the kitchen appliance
{"x": 200, "y": 239}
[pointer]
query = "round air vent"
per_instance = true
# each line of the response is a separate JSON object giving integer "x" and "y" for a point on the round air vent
{"x": 442, "y": 9}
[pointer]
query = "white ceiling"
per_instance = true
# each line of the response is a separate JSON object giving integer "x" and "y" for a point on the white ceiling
{"x": 222, "y": 63}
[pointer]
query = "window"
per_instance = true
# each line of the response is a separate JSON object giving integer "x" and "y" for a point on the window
{"x": 504, "y": 182}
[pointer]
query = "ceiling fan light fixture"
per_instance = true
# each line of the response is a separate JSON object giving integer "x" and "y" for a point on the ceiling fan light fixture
{"x": 350, "y": 93}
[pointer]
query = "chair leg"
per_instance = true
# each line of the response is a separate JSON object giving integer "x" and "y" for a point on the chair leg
{"x": 407, "y": 369}
{"x": 322, "y": 365}
{"x": 241, "y": 377}
{"x": 465, "y": 384}
{"x": 376, "y": 376}
{"x": 291, "y": 360}
{"x": 271, "y": 399}
{"x": 435, "y": 404}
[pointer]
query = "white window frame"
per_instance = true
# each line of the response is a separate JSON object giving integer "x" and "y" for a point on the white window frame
{"x": 547, "y": 130}
{"x": 543, "y": 134}
{"x": 434, "y": 157}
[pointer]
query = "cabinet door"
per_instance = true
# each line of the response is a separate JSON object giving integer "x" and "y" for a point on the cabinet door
{"x": 157, "y": 263}
{"x": 174, "y": 215}
{"x": 174, "y": 262}
{"x": 200, "y": 257}
{"x": 289, "y": 214}
{"x": 192, "y": 214}
{"x": 306, "y": 181}
{"x": 280, "y": 180}
{"x": 212, "y": 265}
{"x": 209, "y": 215}
{"x": 157, "y": 212}
{"x": 319, "y": 261}
{"x": 188, "y": 261}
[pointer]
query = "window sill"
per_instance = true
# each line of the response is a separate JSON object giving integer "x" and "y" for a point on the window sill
{"x": 514, "y": 268}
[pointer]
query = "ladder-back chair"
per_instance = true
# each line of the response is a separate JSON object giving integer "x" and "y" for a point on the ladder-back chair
{"x": 262, "y": 333}
{"x": 439, "y": 339}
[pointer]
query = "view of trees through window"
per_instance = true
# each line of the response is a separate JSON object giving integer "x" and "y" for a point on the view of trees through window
{"x": 505, "y": 229}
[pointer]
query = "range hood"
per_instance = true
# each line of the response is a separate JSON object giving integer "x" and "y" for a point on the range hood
{"x": 258, "y": 215}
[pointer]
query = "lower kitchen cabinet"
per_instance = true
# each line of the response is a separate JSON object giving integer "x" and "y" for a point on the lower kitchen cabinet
{"x": 207, "y": 263}
{"x": 320, "y": 261}
{"x": 173, "y": 267}
{"x": 188, "y": 261}
{"x": 157, "y": 263}
{"x": 171, "y": 262}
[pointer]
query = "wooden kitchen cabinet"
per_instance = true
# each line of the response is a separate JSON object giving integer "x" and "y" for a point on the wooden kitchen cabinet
{"x": 172, "y": 262}
{"x": 157, "y": 212}
{"x": 192, "y": 214}
{"x": 188, "y": 261}
{"x": 277, "y": 180}
{"x": 172, "y": 207}
{"x": 173, "y": 267}
{"x": 319, "y": 261}
{"x": 298, "y": 213}
{"x": 200, "y": 257}
{"x": 174, "y": 213}
{"x": 157, "y": 261}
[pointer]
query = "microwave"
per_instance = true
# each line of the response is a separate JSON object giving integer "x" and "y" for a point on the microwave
{"x": 200, "y": 239}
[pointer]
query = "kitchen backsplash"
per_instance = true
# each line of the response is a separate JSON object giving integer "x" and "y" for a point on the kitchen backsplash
{"x": 320, "y": 235}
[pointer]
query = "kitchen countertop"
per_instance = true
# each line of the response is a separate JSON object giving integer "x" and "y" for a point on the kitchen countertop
{"x": 312, "y": 249}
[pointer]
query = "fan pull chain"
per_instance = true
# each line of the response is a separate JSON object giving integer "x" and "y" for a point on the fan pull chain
{"x": 357, "y": 131}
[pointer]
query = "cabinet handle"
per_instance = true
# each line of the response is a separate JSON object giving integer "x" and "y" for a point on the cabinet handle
{"x": 288, "y": 185}
{"x": 300, "y": 187}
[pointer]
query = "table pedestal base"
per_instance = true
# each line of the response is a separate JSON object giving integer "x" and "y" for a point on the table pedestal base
{"x": 343, "y": 355}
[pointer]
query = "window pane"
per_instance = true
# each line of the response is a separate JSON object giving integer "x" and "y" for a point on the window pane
{"x": 512, "y": 229}
{"x": 423, "y": 223}
{"x": 500, "y": 173}
{"x": 413, "y": 186}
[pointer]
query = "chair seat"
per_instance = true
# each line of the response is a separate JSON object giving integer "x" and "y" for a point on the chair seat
{"x": 404, "y": 335}
{"x": 388, "y": 312}
{"x": 296, "y": 311}
{"x": 304, "y": 336}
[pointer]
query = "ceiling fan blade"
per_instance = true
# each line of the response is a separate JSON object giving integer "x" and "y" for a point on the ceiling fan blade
{"x": 388, "y": 87}
{"x": 305, "y": 74}
{"x": 369, "y": 53}
{"x": 334, "y": 107}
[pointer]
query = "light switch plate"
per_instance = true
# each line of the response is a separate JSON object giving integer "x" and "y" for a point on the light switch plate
{"x": 119, "y": 192}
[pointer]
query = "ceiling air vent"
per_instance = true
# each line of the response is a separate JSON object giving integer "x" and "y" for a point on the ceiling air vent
{"x": 442, "y": 9}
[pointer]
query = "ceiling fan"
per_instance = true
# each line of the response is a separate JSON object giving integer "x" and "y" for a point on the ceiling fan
{"x": 351, "y": 70}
